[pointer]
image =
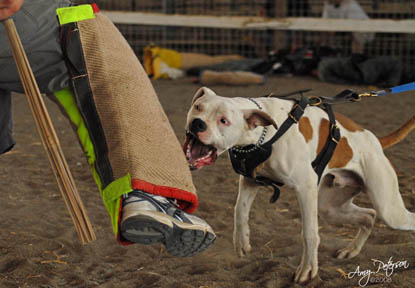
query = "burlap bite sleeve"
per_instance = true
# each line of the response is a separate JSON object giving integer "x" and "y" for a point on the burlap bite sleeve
{"x": 134, "y": 143}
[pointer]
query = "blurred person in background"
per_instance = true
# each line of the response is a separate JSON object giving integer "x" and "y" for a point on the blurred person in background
{"x": 359, "y": 67}
{"x": 347, "y": 9}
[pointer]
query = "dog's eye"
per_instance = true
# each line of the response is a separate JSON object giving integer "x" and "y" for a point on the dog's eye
{"x": 223, "y": 120}
{"x": 197, "y": 107}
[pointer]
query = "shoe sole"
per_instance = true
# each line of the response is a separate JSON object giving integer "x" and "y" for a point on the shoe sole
{"x": 180, "y": 239}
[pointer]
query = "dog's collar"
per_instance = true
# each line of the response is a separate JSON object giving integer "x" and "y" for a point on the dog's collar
{"x": 256, "y": 103}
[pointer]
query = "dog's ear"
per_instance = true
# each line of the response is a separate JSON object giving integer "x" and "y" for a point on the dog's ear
{"x": 255, "y": 118}
{"x": 202, "y": 92}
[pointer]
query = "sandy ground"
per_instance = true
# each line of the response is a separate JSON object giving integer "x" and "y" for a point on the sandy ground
{"x": 39, "y": 246}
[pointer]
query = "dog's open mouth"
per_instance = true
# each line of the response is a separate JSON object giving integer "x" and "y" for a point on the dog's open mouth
{"x": 197, "y": 153}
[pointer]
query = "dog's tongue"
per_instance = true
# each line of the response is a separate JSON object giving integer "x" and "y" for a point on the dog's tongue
{"x": 198, "y": 149}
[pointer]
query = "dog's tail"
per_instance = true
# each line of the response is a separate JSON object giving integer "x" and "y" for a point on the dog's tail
{"x": 398, "y": 135}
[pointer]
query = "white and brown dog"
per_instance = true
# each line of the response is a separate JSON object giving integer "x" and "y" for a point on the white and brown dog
{"x": 215, "y": 124}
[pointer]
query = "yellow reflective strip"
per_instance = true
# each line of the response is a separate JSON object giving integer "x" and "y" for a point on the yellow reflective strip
{"x": 112, "y": 198}
{"x": 117, "y": 188}
{"x": 111, "y": 195}
{"x": 75, "y": 13}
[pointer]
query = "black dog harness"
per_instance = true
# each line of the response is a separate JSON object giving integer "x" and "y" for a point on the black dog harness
{"x": 246, "y": 160}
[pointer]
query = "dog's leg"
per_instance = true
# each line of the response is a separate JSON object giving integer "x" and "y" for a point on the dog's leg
{"x": 383, "y": 189}
{"x": 247, "y": 192}
{"x": 366, "y": 219}
{"x": 336, "y": 194}
{"x": 308, "y": 197}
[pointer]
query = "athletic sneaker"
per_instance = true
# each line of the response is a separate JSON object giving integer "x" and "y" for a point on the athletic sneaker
{"x": 149, "y": 219}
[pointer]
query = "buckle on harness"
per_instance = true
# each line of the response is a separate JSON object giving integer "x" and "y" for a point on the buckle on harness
{"x": 292, "y": 110}
{"x": 333, "y": 128}
{"x": 317, "y": 103}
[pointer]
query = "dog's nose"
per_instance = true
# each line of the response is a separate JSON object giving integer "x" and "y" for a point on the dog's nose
{"x": 197, "y": 125}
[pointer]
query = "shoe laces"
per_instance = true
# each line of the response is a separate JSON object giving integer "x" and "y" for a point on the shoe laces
{"x": 162, "y": 203}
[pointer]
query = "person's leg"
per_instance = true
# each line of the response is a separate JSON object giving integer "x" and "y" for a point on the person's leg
{"x": 6, "y": 122}
{"x": 338, "y": 70}
{"x": 133, "y": 143}
{"x": 146, "y": 218}
{"x": 383, "y": 71}
{"x": 144, "y": 214}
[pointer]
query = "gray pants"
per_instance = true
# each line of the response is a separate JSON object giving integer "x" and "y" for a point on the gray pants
{"x": 6, "y": 122}
{"x": 383, "y": 71}
{"x": 38, "y": 28}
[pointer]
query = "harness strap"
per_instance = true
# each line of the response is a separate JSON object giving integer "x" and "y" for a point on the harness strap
{"x": 75, "y": 62}
{"x": 284, "y": 95}
{"x": 246, "y": 160}
{"x": 293, "y": 117}
{"x": 320, "y": 163}
{"x": 346, "y": 96}
{"x": 263, "y": 181}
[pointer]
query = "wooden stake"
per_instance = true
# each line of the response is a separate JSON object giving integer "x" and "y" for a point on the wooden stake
{"x": 49, "y": 138}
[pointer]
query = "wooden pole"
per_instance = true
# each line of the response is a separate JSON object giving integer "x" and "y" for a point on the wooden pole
{"x": 49, "y": 138}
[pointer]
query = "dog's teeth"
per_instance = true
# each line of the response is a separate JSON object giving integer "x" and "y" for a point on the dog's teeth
{"x": 207, "y": 155}
{"x": 188, "y": 154}
{"x": 188, "y": 150}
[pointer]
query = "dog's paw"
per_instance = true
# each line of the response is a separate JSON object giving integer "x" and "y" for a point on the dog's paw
{"x": 241, "y": 249}
{"x": 241, "y": 245}
{"x": 305, "y": 273}
{"x": 347, "y": 252}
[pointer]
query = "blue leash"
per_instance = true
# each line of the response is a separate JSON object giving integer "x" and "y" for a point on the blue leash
{"x": 389, "y": 91}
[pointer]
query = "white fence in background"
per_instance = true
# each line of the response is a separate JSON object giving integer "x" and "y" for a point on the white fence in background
{"x": 253, "y": 27}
